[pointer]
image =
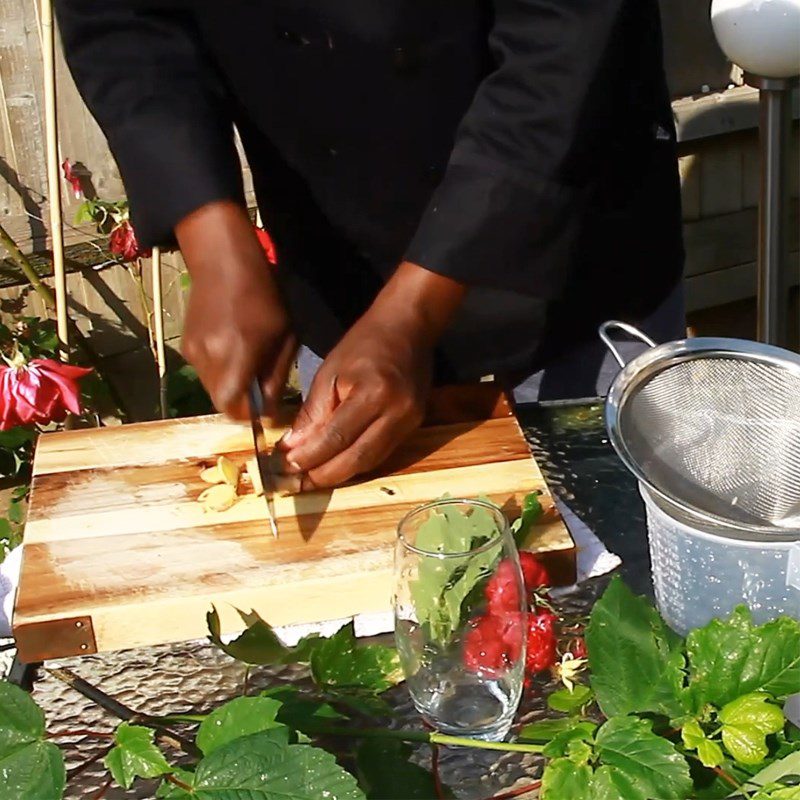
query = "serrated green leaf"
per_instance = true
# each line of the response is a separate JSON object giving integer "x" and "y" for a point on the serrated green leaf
{"x": 746, "y": 723}
{"x": 385, "y": 772}
{"x": 778, "y": 792}
{"x": 636, "y": 661}
{"x": 546, "y": 730}
{"x": 776, "y": 771}
{"x": 257, "y": 768}
{"x": 569, "y": 702}
{"x": 559, "y": 747}
{"x": 694, "y": 738}
{"x": 258, "y": 644}
{"x": 730, "y": 658}
{"x": 638, "y": 764}
{"x": 135, "y": 755}
{"x": 32, "y": 769}
{"x": 240, "y": 717}
{"x": 301, "y": 713}
{"x": 339, "y": 662}
{"x": 563, "y": 780}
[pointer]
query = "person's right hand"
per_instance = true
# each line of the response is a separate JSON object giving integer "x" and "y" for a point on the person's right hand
{"x": 236, "y": 326}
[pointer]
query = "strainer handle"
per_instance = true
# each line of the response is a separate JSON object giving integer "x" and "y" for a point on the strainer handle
{"x": 614, "y": 324}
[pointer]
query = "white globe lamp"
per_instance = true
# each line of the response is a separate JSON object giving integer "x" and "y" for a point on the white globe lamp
{"x": 763, "y": 38}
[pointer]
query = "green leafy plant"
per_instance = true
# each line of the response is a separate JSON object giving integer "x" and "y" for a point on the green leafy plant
{"x": 677, "y": 724}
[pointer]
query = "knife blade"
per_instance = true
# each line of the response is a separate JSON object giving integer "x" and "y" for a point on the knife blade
{"x": 262, "y": 457}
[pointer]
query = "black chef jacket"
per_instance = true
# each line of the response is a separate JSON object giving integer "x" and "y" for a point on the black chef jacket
{"x": 523, "y": 147}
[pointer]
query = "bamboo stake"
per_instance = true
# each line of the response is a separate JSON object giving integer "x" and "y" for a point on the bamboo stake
{"x": 158, "y": 323}
{"x": 53, "y": 173}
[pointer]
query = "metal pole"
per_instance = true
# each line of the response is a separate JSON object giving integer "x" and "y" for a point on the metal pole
{"x": 158, "y": 323}
{"x": 53, "y": 174}
{"x": 773, "y": 249}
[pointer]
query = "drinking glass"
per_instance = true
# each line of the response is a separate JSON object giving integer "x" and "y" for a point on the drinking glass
{"x": 460, "y": 617}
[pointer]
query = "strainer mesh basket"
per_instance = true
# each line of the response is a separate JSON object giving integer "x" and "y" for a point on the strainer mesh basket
{"x": 713, "y": 426}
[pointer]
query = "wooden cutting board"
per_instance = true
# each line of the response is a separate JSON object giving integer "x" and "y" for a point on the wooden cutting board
{"x": 118, "y": 553}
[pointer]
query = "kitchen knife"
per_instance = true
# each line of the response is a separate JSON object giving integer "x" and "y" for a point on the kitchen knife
{"x": 262, "y": 457}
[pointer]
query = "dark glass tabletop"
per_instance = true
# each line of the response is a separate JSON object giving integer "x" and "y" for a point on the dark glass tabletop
{"x": 570, "y": 444}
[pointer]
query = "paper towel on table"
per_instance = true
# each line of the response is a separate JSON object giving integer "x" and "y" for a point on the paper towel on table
{"x": 593, "y": 560}
{"x": 9, "y": 578}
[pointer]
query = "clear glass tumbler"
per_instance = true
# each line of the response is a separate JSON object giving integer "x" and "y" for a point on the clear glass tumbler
{"x": 460, "y": 617}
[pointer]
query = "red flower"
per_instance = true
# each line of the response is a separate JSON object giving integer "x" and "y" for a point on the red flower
{"x": 541, "y": 650}
{"x": 41, "y": 391}
{"x": 72, "y": 178}
{"x": 493, "y": 642}
{"x": 501, "y": 590}
{"x": 123, "y": 243}
{"x": 265, "y": 240}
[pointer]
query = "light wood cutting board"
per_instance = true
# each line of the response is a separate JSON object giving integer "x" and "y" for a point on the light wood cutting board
{"x": 118, "y": 553}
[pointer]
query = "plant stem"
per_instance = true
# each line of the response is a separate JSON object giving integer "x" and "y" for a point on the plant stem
{"x": 173, "y": 718}
{"x": 103, "y": 789}
{"x": 437, "y": 778}
{"x": 516, "y": 792}
{"x": 178, "y": 782}
{"x": 25, "y": 266}
{"x": 122, "y": 711}
{"x": 79, "y": 732}
{"x": 424, "y": 738}
{"x": 726, "y": 777}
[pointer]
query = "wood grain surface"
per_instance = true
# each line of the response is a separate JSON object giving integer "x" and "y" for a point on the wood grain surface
{"x": 118, "y": 552}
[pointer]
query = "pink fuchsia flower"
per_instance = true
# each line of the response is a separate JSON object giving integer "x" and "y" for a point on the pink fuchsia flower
{"x": 40, "y": 391}
{"x": 123, "y": 243}
{"x": 72, "y": 178}
{"x": 265, "y": 240}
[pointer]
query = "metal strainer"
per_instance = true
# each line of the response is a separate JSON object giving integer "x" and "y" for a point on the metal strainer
{"x": 712, "y": 426}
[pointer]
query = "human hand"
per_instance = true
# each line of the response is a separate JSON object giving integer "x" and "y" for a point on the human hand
{"x": 371, "y": 390}
{"x": 236, "y": 326}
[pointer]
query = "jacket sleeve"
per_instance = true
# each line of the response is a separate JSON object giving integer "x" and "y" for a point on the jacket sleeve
{"x": 140, "y": 70}
{"x": 504, "y": 214}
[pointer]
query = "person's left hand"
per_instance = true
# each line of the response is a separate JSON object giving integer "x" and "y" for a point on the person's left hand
{"x": 371, "y": 390}
{"x": 367, "y": 396}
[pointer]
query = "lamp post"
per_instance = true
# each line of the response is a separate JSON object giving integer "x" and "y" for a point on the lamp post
{"x": 763, "y": 37}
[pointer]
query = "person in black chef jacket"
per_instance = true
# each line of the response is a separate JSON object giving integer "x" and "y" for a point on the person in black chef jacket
{"x": 455, "y": 188}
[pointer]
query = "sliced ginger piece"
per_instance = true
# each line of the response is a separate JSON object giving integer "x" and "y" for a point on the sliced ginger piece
{"x": 229, "y": 471}
{"x": 255, "y": 476}
{"x": 212, "y": 475}
{"x": 218, "y": 498}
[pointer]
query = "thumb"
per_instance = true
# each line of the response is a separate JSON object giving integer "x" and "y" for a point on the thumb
{"x": 317, "y": 408}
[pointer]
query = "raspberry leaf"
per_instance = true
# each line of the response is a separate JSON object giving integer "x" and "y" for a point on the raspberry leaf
{"x": 636, "y": 661}
{"x": 746, "y": 723}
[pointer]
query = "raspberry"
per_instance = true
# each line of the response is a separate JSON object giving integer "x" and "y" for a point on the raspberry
{"x": 541, "y": 651}
{"x": 502, "y": 593}
{"x": 493, "y": 642}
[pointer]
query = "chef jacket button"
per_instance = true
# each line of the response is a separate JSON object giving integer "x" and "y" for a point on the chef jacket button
{"x": 406, "y": 59}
